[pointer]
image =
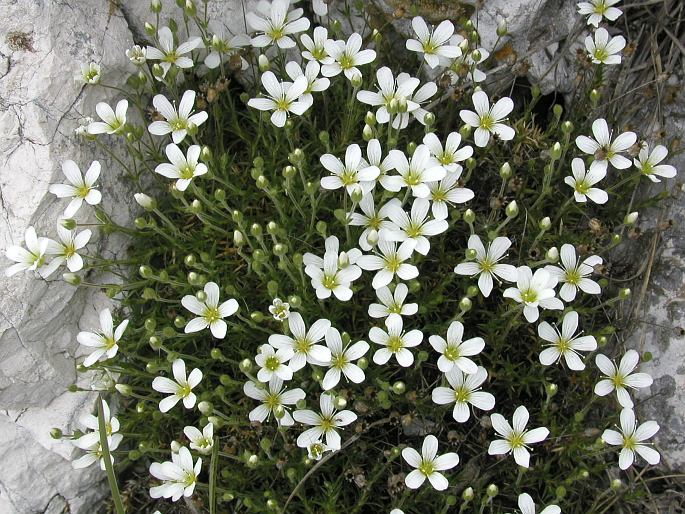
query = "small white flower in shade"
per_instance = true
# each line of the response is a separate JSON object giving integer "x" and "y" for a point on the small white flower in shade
{"x": 200, "y": 441}
{"x": 137, "y": 55}
{"x": 91, "y": 444}
{"x": 465, "y": 390}
{"x": 178, "y": 476}
{"x": 631, "y": 440}
{"x": 488, "y": 120}
{"x": 648, "y": 163}
{"x": 487, "y": 265}
{"x": 527, "y": 506}
{"x": 324, "y": 424}
{"x": 428, "y": 465}
{"x": 32, "y": 257}
{"x": 317, "y": 448}
{"x": 450, "y": 155}
{"x": 176, "y": 121}
{"x": 341, "y": 359}
{"x": 104, "y": 344}
{"x": 89, "y": 74}
{"x": 388, "y": 262}
{"x": 113, "y": 121}
{"x": 373, "y": 220}
{"x": 181, "y": 388}
{"x": 183, "y": 168}
{"x": 595, "y": 10}
{"x": 420, "y": 97}
{"x": 414, "y": 226}
{"x": 454, "y": 351}
{"x": 414, "y": 173}
{"x": 315, "y": 84}
{"x": 583, "y": 181}
{"x": 388, "y": 90}
{"x": 604, "y": 50}
{"x": 565, "y": 343}
{"x": 465, "y": 68}
{"x": 573, "y": 274}
{"x": 273, "y": 363}
{"x": 534, "y": 291}
{"x": 279, "y": 309}
{"x": 220, "y": 45}
{"x": 354, "y": 174}
{"x": 603, "y": 149}
{"x": 275, "y": 24}
{"x": 209, "y": 313}
{"x": 516, "y": 439}
{"x": 334, "y": 273}
{"x": 272, "y": 398}
{"x": 80, "y": 187}
{"x": 169, "y": 56}
{"x": 284, "y": 98}
{"x": 315, "y": 48}
{"x": 65, "y": 250}
{"x": 433, "y": 44}
{"x": 620, "y": 378}
{"x": 446, "y": 193}
{"x": 392, "y": 303}
{"x": 303, "y": 342}
{"x": 346, "y": 57}
{"x": 395, "y": 342}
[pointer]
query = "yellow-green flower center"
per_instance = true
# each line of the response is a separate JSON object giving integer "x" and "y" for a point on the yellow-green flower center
{"x": 339, "y": 361}
{"x": 272, "y": 363}
{"x": 529, "y": 296}
{"x": 573, "y": 276}
{"x": 346, "y": 62}
{"x": 393, "y": 263}
{"x": 395, "y": 344}
{"x": 426, "y": 468}
{"x": 272, "y": 401}
{"x": 187, "y": 172}
{"x": 516, "y": 440}
{"x": 629, "y": 442}
{"x": 302, "y": 345}
{"x": 487, "y": 122}
{"x": 349, "y": 177}
{"x": 618, "y": 380}
{"x": 178, "y": 124}
{"x": 601, "y": 54}
{"x": 563, "y": 345}
{"x": 82, "y": 191}
{"x": 452, "y": 353}
{"x": 329, "y": 281}
{"x": 413, "y": 178}
{"x": 462, "y": 394}
{"x": 184, "y": 390}
{"x": 327, "y": 423}
{"x": 212, "y": 314}
{"x": 414, "y": 230}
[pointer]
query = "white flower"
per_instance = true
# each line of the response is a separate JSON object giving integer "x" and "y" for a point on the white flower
{"x": 353, "y": 174}
{"x": 603, "y": 149}
{"x": 303, "y": 342}
{"x": 602, "y": 49}
{"x": 454, "y": 351}
{"x": 341, "y": 360}
{"x": 137, "y": 55}
{"x": 346, "y": 57}
{"x": 104, "y": 343}
{"x": 209, "y": 313}
{"x": 284, "y": 98}
{"x": 619, "y": 378}
{"x": 465, "y": 390}
{"x": 372, "y": 220}
{"x": 433, "y": 44}
{"x": 631, "y": 438}
{"x": 565, "y": 343}
{"x": 89, "y": 74}
{"x": 595, "y": 10}
{"x": 168, "y": 55}
{"x": 392, "y": 304}
{"x": 220, "y": 45}
{"x": 374, "y": 154}
{"x": 183, "y": 168}
{"x": 487, "y": 265}
{"x": 91, "y": 444}
{"x": 449, "y": 156}
{"x": 414, "y": 226}
{"x": 177, "y": 121}
{"x": 414, "y": 173}
{"x": 274, "y": 24}
{"x": 583, "y": 181}
{"x": 516, "y": 439}
{"x": 279, "y": 309}
{"x": 113, "y": 121}
{"x": 92, "y": 422}
{"x": 272, "y": 363}
{"x": 320, "y": 7}
{"x": 420, "y": 97}
{"x": 181, "y": 388}
{"x": 30, "y": 258}
{"x": 527, "y": 506}
{"x": 388, "y": 262}
{"x": 573, "y": 274}
{"x": 200, "y": 441}
{"x": 276, "y": 396}
{"x": 66, "y": 249}
{"x": 80, "y": 187}
{"x": 488, "y": 120}
{"x": 328, "y": 275}
{"x": 534, "y": 291}
{"x": 648, "y": 163}
{"x": 323, "y": 424}
{"x": 428, "y": 464}
{"x": 316, "y": 48}
{"x": 389, "y": 91}
{"x": 178, "y": 476}
{"x": 317, "y": 448}
{"x": 315, "y": 84}
{"x": 395, "y": 342}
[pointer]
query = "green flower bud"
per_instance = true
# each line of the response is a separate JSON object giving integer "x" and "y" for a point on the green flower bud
{"x": 512, "y": 209}
{"x": 252, "y": 461}
{"x": 552, "y": 254}
{"x": 72, "y": 279}
{"x": 469, "y": 216}
{"x": 179, "y": 321}
{"x": 55, "y": 433}
{"x": 411, "y": 148}
{"x": 145, "y": 272}
{"x": 624, "y": 293}
{"x": 339, "y": 402}
{"x": 263, "y": 63}
{"x": 472, "y": 291}
{"x": 150, "y": 30}
{"x": 157, "y": 70}
{"x": 321, "y": 227}
{"x": 616, "y": 484}
{"x": 155, "y": 6}
{"x": 190, "y": 9}
{"x": 295, "y": 301}
{"x": 545, "y": 223}
{"x": 324, "y": 137}
{"x": 630, "y": 218}
{"x": 367, "y": 133}
{"x": 556, "y": 150}
{"x": 465, "y": 304}
{"x": 502, "y": 28}
{"x": 567, "y": 127}
{"x": 155, "y": 343}
{"x": 124, "y": 389}
{"x": 140, "y": 223}
{"x": 476, "y": 56}
{"x": 238, "y": 238}
{"x": 205, "y": 407}
{"x": 262, "y": 182}
{"x": 492, "y": 490}
{"x": 363, "y": 363}
{"x": 279, "y": 411}
{"x": 551, "y": 389}
{"x": 245, "y": 365}
{"x": 356, "y": 81}
{"x": 467, "y": 495}
{"x": 505, "y": 171}
{"x": 465, "y": 131}
{"x": 399, "y": 387}
{"x": 370, "y": 118}
{"x": 595, "y": 96}
{"x": 256, "y": 230}
{"x": 561, "y": 492}
{"x": 196, "y": 206}
{"x": 68, "y": 223}
{"x": 429, "y": 119}
{"x": 216, "y": 354}
{"x": 257, "y": 316}
{"x": 558, "y": 110}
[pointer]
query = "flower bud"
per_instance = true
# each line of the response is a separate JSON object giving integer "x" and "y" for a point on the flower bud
{"x": 324, "y": 137}
{"x": 476, "y": 56}
{"x": 196, "y": 206}
{"x": 357, "y": 195}
{"x": 145, "y": 271}
{"x": 68, "y": 223}
{"x": 492, "y": 491}
{"x": 465, "y": 304}
{"x": 595, "y": 96}
{"x": 252, "y": 461}
{"x": 567, "y": 127}
{"x": 262, "y": 182}
{"x": 429, "y": 119}
{"x": 372, "y": 237}
{"x": 155, "y": 343}
{"x": 551, "y": 389}
{"x": 263, "y": 63}
{"x": 552, "y": 254}
{"x": 56, "y": 433}
{"x": 624, "y": 293}
{"x": 238, "y": 238}
{"x": 464, "y": 46}
{"x": 630, "y": 218}
{"x": 245, "y": 365}
{"x": 545, "y": 223}
{"x": 367, "y": 133}
{"x": 155, "y": 6}
{"x": 150, "y": 30}
{"x": 512, "y": 209}
{"x": 363, "y": 363}
{"x": 370, "y": 118}
{"x": 616, "y": 484}
{"x": 339, "y": 402}
{"x": 205, "y": 407}
{"x": 502, "y": 28}
{"x": 356, "y": 81}
{"x": 392, "y": 106}
{"x": 146, "y": 202}
{"x": 465, "y": 131}
{"x": 279, "y": 411}
{"x": 558, "y": 110}
{"x": 556, "y": 150}
{"x": 505, "y": 171}
{"x": 190, "y": 9}
{"x": 157, "y": 71}
{"x": 399, "y": 387}
{"x": 295, "y": 301}
{"x": 72, "y": 279}
{"x": 469, "y": 216}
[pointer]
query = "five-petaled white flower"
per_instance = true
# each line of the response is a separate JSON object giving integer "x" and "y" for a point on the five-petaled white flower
{"x": 275, "y": 24}
{"x": 527, "y": 506}
{"x": 303, "y": 342}
{"x": 516, "y": 439}
{"x": 454, "y": 351}
{"x": 334, "y": 273}
{"x": 354, "y": 174}
{"x": 92, "y": 422}
{"x": 573, "y": 274}
{"x": 373, "y": 220}
{"x": 649, "y": 163}
{"x": 447, "y": 192}
{"x": 315, "y": 84}
{"x": 184, "y": 168}
{"x": 346, "y": 57}
{"x": 279, "y": 309}
{"x": 603, "y": 149}
{"x": 534, "y": 291}
{"x": 220, "y": 45}
{"x": 324, "y": 424}
{"x": 30, "y": 258}
{"x": 488, "y": 120}
{"x": 566, "y": 343}
{"x": 113, "y": 121}
{"x": 284, "y": 98}
{"x": 317, "y": 448}
{"x": 181, "y": 388}
{"x": 428, "y": 465}
{"x": 433, "y": 44}
{"x": 273, "y": 397}
{"x": 392, "y": 96}
{"x": 486, "y": 264}
{"x": 631, "y": 438}
{"x": 392, "y": 303}
{"x": 388, "y": 262}
{"x": 583, "y": 181}
{"x": 595, "y": 10}
{"x": 315, "y": 48}
{"x": 177, "y": 122}
{"x": 89, "y": 73}
{"x": 178, "y": 476}
{"x": 604, "y": 50}
{"x": 208, "y": 311}
{"x": 341, "y": 359}
{"x": 620, "y": 378}
{"x": 273, "y": 363}
{"x": 104, "y": 343}
{"x": 80, "y": 187}
{"x": 137, "y": 55}
{"x": 414, "y": 173}
{"x": 66, "y": 249}
{"x": 450, "y": 155}
{"x": 395, "y": 342}
{"x": 465, "y": 390}
{"x": 200, "y": 441}
{"x": 414, "y": 226}
{"x": 167, "y": 55}
{"x": 91, "y": 444}
{"x": 420, "y": 97}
